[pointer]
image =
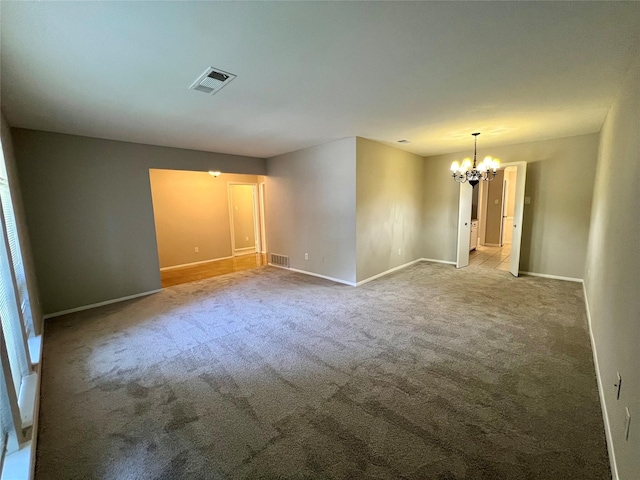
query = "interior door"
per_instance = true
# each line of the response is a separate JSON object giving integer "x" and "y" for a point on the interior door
{"x": 464, "y": 225}
{"x": 518, "y": 213}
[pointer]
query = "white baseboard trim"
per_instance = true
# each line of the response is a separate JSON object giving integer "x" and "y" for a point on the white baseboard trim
{"x": 99, "y": 304}
{"x": 603, "y": 405}
{"x": 337, "y": 280}
{"x": 434, "y": 260}
{"x": 194, "y": 263}
{"x": 554, "y": 277}
{"x": 244, "y": 251}
{"x": 387, "y": 272}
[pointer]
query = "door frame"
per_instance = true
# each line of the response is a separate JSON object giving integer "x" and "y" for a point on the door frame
{"x": 263, "y": 221}
{"x": 256, "y": 236}
{"x": 518, "y": 215}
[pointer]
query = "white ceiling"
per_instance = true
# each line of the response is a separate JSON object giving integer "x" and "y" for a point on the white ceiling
{"x": 312, "y": 72}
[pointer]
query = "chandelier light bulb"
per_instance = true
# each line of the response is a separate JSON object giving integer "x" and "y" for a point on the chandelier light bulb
{"x": 455, "y": 166}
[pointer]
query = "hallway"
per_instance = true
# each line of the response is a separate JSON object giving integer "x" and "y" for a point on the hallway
{"x": 496, "y": 258}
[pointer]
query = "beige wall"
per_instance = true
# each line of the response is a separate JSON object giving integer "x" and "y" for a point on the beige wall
{"x": 493, "y": 217}
{"x": 311, "y": 208}
{"x": 191, "y": 209}
{"x": 389, "y": 207}
{"x": 21, "y": 223}
{"x": 612, "y": 279}
{"x": 560, "y": 175}
{"x": 89, "y": 212}
{"x": 242, "y": 208}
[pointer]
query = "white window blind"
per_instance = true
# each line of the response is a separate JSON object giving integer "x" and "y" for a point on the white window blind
{"x": 10, "y": 315}
{"x": 14, "y": 248}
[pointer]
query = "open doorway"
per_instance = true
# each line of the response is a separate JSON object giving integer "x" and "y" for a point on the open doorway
{"x": 243, "y": 215}
{"x": 193, "y": 221}
{"x": 490, "y": 220}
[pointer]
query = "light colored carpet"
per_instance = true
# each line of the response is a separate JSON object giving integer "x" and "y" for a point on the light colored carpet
{"x": 428, "y": 373}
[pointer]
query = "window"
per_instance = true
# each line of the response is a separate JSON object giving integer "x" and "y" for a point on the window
{"x": 18, "y": 377}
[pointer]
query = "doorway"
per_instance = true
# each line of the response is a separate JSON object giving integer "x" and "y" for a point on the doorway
{"x": 243, "y": 218}
{"x": 500, "y": 208}
{"x": 192, "y": 216}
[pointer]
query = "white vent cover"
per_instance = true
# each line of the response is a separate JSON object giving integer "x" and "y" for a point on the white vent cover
{"x": 212, "y": 80}
{"x": 279, "y": 260}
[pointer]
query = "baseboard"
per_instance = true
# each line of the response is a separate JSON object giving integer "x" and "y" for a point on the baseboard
{"x": 605, "y": 415}
{"x": 437, "y": 261}
{"x": 244, "y": 251}
{"x": 194, "y": 263}
{"x": 554, "y": 277}
{"x": 387, "y": 272}
{"x": 99, "y": 304}
{"x": 337, "y": 280}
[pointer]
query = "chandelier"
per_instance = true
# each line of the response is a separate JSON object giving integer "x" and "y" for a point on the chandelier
{"x": 466, "y": 171}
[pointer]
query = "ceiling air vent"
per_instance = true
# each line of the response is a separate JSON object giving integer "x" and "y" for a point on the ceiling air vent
{"x": 212, "y": 81}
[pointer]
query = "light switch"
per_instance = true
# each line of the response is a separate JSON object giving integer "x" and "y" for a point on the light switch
{"x": 497, "y": 201}
{"x": 527, "y": 200}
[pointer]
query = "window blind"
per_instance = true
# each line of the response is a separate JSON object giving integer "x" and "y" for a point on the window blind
{"x": 15, "y": 251}
{"x": 10, "y": 316}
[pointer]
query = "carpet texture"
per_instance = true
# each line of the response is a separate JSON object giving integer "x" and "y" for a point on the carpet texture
{"x": 427, "y": 373}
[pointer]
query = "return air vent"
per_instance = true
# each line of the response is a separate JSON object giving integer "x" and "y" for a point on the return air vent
{"x": 212, "y": 81}
{"x": 279, "y": 260}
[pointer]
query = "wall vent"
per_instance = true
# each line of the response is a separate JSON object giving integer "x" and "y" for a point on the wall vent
{"x": 212, "y": 81}
{"x": 279, "y": 260}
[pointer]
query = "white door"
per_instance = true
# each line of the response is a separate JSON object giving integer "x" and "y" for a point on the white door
{"x": 464, "y": 225}
{"x": 518, "y": 213}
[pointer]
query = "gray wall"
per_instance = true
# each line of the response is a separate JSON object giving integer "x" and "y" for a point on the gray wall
{"x": 560, "y": 176}
{"x": 311, "y": 208}
{"x": 89, "y": 212}
{"x": 388, "y": 206}
{"x": 612, "y": 279}
{"x": 21, "y": 223}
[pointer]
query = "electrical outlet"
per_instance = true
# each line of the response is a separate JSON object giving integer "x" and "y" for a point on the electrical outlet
{"x": 399, "y": 251}
{"x": 527, "y": 200}
{"x": 246, "y": 239}
{"x": 306, "y": 256}
{"x": 197, "y": 249}
{"x": 618, "y": 386}
{"x": 627, "y": 424}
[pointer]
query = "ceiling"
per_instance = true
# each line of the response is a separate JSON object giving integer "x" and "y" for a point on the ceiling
{"x": 313, "y": 72}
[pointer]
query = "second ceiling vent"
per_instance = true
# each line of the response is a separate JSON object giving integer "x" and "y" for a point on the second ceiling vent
{"x": 212, "y": 81}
